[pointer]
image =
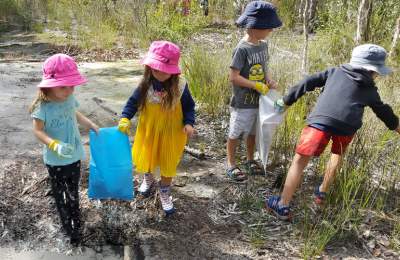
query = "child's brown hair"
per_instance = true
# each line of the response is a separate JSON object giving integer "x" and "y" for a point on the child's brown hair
{"x": 42, "y": 96}
{"x": 171, "y": 87}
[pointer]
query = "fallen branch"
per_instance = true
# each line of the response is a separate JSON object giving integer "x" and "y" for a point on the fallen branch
{"x": 195, "y": 153}
{"x": 33, "y": 187}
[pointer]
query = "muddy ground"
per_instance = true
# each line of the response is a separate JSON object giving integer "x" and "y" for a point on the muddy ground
{"x": 208, "y": 223}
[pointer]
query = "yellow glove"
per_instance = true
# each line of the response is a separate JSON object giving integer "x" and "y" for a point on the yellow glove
{"x": 261, "y": 88}
{"x": 62, "y": 149}
{"x": 124, "y": 125}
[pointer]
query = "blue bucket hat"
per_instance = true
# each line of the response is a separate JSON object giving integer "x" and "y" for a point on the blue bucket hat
{"x": 259, "y": 15}
{"x": 370, "y": 57}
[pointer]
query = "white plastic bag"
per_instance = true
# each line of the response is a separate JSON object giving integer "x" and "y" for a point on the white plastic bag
{"x": 267, "y": 121}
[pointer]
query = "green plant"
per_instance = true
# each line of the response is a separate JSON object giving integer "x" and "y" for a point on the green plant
{"x": 207, "y": 75}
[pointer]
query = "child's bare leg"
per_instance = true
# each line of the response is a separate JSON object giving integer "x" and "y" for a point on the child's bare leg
{"x": 330, "y": 171}
{"x": 251, "y": 143}
{"x": 293, "y": 178}
{"x": 231, "y": 151}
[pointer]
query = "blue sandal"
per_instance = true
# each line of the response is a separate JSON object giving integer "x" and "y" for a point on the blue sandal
{"x": 254, "y": 168}
{"x": 282, "y": 212}
{"x": 319, "y": 196}
{"x": 236, "y": 174}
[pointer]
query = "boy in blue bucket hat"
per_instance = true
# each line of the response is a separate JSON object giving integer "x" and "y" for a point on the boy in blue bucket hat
{"x": 337, "y": 116}
{"x": 250, "y": 78}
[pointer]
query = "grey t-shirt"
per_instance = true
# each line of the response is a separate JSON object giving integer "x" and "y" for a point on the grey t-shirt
{"x": 251, "y": 60}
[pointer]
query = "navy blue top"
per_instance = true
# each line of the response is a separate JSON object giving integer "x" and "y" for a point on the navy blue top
{"x": 340, "y": 106}
{"x": 187, "y": 103}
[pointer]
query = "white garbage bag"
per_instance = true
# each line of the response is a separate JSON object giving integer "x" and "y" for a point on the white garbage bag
{"x": 267, "y": 121}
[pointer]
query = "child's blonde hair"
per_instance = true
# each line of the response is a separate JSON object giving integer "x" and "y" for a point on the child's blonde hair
{"x": 171, "y": 86}
{"x": 42, "y": 96}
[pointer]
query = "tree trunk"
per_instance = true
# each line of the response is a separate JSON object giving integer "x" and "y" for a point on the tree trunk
{"x": 363, "y": 19}
{"x": 308, "y": 5}
{"x": 312, "y": 10}
{"x": 301, "y": 9}
{"x": 396, "y": 37}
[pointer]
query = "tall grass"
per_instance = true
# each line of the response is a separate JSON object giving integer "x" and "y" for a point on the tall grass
{"x": 207, "y": 71}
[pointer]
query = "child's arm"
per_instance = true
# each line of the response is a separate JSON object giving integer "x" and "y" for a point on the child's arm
{"x": 83, "y": 120}
{"x": 239, "y": 80}
{"x": 62, "y": 149}
{"x": 131, "y": 105}
{"x": 129, "y": 111}
{"x": 385, "y": 113}
{"x": 307, "y": 84}
{"x": 38, "y": 131}
{"x": 188, "y": 112}
{"x": 271, "y": 83}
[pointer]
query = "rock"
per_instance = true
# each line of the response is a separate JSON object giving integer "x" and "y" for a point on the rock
{"x": 367, "y": 233}
{"x": 371, "y": 244}
{"x": 384, "y": 241}
{"x": 377, "y": 252}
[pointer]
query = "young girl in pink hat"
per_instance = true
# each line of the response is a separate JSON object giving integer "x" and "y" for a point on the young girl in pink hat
{"x": 55, "y": 117}
{"x": 166, "y": 119}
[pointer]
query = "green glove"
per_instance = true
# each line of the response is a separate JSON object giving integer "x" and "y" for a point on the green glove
{"x": 124, "y": 125}
{"x": 279, "y": 105}
{"x": 62, "y": 149}
{"x": 261, "y": 88}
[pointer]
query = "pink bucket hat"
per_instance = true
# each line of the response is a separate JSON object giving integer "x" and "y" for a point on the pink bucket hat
{"x": 163, "y": 56}
{"x": 60, "y": 70}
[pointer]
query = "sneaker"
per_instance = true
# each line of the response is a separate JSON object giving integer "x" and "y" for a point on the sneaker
{"x": 282, "y": 212}
{"x": 146, "y": 185}
{"x": 166, "y": 200}
{"x": 319, "y": 196}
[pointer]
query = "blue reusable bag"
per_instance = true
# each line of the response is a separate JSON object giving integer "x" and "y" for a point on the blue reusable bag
{"x": 110, "y": 165}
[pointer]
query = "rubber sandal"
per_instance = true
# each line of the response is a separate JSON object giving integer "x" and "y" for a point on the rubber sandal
{"x": 236, "y": 174}
{"x": 254, "y": 168}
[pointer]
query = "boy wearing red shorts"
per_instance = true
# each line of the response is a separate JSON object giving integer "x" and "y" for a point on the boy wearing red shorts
{"x": 336, "y": 116}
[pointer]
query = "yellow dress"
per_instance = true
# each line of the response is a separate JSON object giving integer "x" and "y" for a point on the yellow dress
{"x": 159, "y": 139}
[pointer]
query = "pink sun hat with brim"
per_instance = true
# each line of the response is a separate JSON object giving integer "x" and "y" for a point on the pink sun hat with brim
{"x": 163, "y": 56}
{"x": 60, "y": 70}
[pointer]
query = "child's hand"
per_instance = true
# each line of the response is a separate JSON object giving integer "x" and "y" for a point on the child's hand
{"x": 189, "y": 130}
{"x": 261, "y": 88}
{"x": 272, "y": 84}
{"x": 279, "y": 105}
{"x": 62, "y": 149}
{"x": 124, "y": 125}
{"x": 95, "y": 128}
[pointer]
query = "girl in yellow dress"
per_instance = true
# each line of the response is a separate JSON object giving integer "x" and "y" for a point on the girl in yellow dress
{"x": 165, "y": 121}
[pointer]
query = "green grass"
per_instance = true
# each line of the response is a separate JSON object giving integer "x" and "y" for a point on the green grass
{"x": 207, "y": 74}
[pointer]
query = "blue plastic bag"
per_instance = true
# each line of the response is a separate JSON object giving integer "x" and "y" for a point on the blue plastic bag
{"x": 110, "y": 165}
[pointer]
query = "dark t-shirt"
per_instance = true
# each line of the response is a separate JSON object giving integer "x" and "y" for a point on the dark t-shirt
{"x": 251, "y": 60}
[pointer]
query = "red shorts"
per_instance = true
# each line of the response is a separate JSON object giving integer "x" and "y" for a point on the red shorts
{"x": 313, "y": 142}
